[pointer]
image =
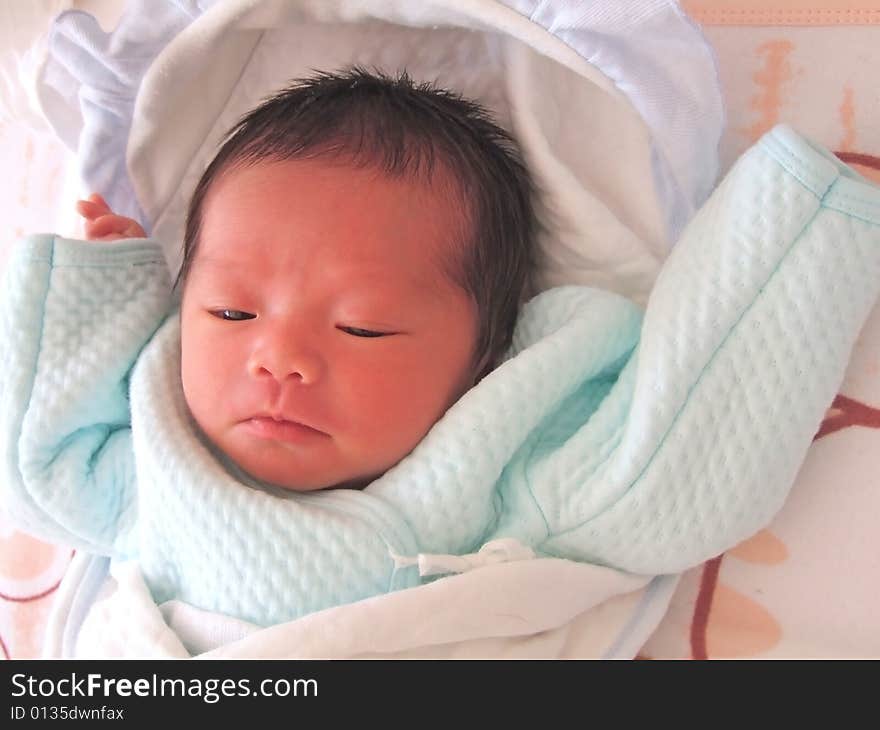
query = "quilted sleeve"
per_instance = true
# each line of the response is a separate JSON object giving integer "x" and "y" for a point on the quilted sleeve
{"x": 75, "y": 316}
{"x": 745, "y": 341}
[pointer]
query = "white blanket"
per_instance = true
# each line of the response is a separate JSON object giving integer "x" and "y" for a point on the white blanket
{"x": 526, "y": 609}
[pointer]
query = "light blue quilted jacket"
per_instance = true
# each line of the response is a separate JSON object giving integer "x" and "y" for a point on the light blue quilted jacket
{"x": 647, "y": 445}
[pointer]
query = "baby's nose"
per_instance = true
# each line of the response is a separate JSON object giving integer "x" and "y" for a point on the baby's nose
{"x": 286, "y": 360}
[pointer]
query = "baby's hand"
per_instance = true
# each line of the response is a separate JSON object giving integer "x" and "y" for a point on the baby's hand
{"x": 102, "y": 224}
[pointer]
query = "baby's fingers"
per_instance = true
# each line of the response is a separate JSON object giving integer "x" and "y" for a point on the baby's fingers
{"x": 93, "y": 207}
{"x": 112, "y": 227}
{"x": 102, "y": 224}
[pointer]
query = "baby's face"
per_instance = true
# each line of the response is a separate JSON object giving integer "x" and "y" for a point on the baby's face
{"x": 320, "y": 338}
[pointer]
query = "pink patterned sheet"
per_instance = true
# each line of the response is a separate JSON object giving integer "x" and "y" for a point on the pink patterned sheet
{"x": 809, "y": 584}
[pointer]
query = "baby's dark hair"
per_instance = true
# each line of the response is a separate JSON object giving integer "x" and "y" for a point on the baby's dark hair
{"x": 405, "y": 129}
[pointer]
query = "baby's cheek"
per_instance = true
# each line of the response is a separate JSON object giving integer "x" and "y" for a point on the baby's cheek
{"x": 201, "y": 370}
{"x": 194, "y": 390}
{"x": 403, "y": 405}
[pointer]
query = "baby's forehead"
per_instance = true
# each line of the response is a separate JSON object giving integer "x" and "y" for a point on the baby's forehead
{"x": 399, "y": 288}
{"x": 355, "y": 217}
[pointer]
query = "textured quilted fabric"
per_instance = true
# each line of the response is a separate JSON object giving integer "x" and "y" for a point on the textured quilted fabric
{"x": 648, "y": 446}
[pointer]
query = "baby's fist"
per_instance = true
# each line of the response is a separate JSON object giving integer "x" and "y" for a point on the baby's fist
{"x": 102, "y": 224}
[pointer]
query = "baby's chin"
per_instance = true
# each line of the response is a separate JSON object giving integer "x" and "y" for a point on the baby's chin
{"x": 292, "y": 479}
{"x": 290, "y": 475}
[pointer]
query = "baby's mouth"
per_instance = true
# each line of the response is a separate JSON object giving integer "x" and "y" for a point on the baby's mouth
{"x": 265, "y": 426}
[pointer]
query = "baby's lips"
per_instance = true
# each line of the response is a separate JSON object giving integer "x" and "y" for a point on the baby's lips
{"x": 285, "y": 418}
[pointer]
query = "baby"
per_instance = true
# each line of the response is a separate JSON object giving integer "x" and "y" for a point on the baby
{"x": 355, "y": 257}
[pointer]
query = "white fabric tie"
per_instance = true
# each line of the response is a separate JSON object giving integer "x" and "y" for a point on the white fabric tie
{"x": 502, "y": 550}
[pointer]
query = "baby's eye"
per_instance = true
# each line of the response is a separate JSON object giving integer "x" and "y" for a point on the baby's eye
{"x": 233, "y": 315}
{"x": 358, "y": 332}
